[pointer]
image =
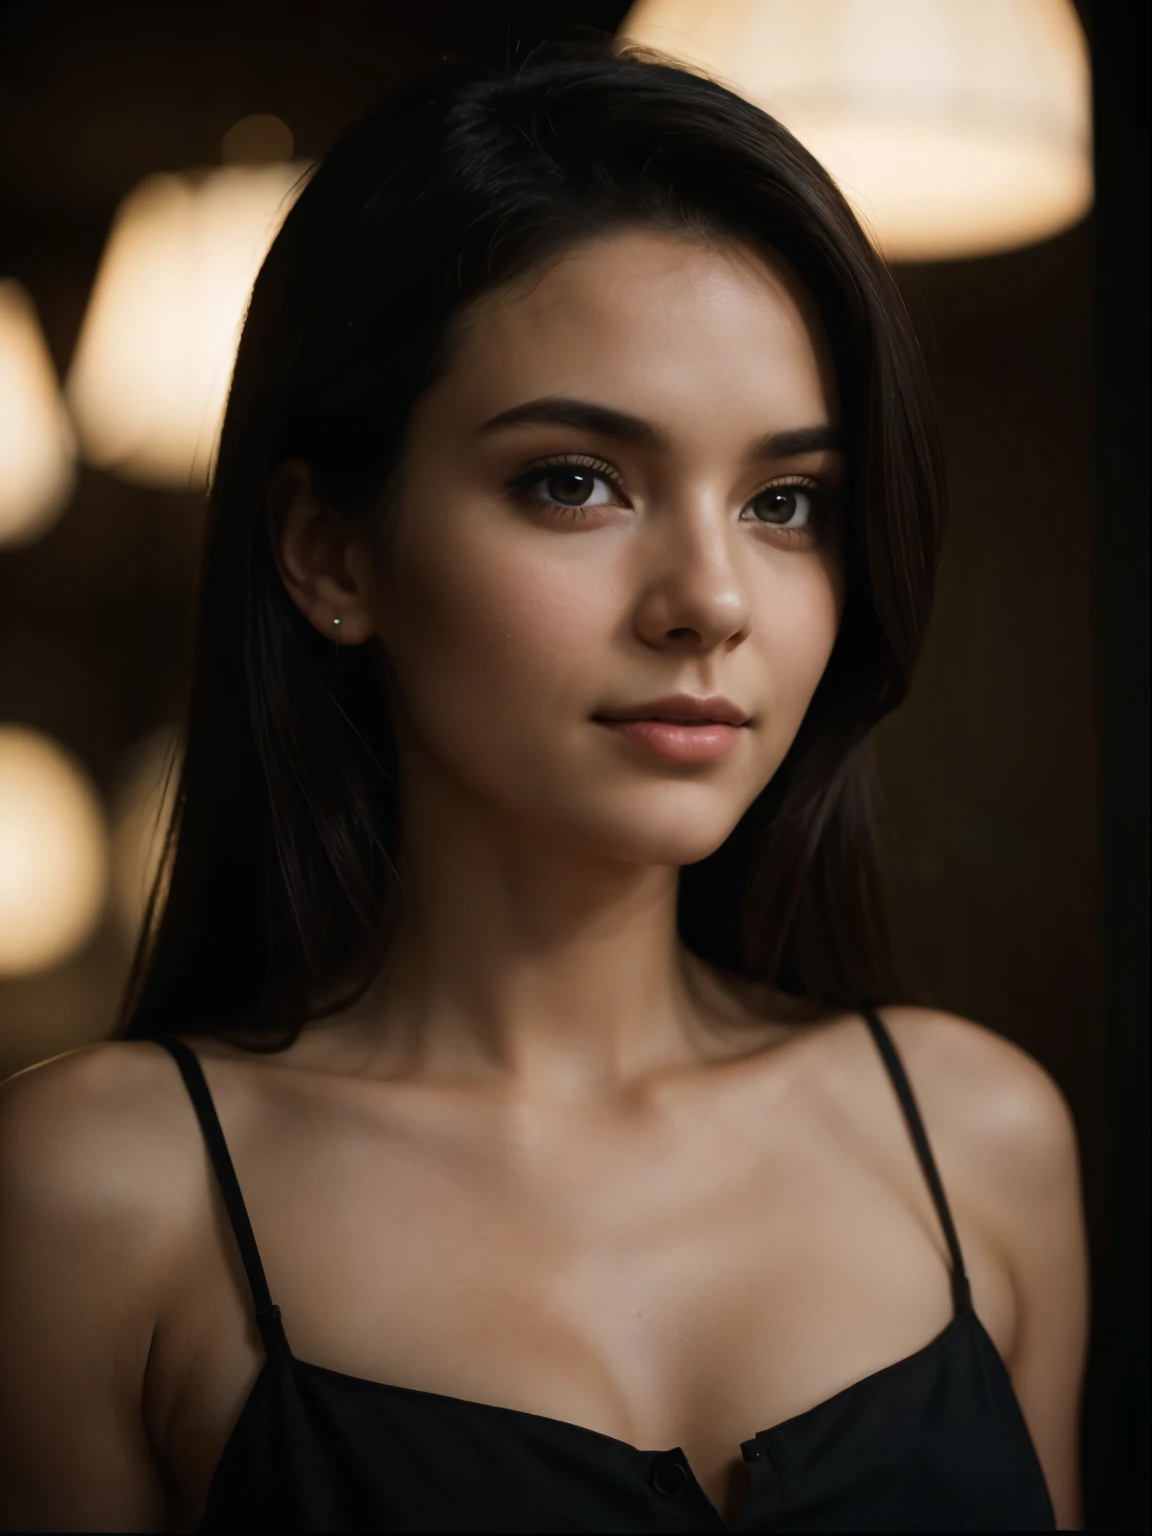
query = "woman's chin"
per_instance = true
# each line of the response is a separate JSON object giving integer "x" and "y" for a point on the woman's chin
{"x": 660, "y": 843}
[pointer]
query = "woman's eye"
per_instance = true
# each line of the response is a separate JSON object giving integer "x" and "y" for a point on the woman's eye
{"x": 568, "y": 487}
{"x": 780, "y": 505}
{"x": 573, "y": 488}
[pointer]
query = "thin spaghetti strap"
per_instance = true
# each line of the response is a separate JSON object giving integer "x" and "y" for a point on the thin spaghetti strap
{"x": 267, "y": 1312}
{"x": 961, "y": 1292}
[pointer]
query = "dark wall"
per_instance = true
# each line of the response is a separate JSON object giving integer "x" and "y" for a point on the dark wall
{"x": 992, "y": 772}
{"x": 1120, "y": 45}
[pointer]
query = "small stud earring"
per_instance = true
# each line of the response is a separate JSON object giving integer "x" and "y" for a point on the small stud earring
{"x": 335, "y": 623}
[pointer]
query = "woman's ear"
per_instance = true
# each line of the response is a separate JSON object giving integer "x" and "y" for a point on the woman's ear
{"x": 311, "y": 545}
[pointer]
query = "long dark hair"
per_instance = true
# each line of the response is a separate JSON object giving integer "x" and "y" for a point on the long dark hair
{"x": 277, "y": 892}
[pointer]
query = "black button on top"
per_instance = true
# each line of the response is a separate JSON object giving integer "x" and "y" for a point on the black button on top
{"x": 668, "y": 1476}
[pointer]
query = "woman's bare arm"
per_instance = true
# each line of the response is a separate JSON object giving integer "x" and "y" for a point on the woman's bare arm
{"x": 82, "y": 1240}
{"x": 1042, "y": 1232}
{"x": 1002, "y": 1124}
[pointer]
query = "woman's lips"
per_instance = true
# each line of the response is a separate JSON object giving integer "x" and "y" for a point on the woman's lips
{"x": 702, "y": 743}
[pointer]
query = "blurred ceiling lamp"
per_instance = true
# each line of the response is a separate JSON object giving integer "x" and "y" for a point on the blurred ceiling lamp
{"x": 37, "y": 445}
{"x": 53, "y": 853}
{"x": 154, "y": 359}
{"x": 142, "y": 809}
{"x": 954, "y": 127}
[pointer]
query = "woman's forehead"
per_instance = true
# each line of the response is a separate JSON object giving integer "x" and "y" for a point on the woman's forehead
{"x": 650, "y": 323}
{"x": 646, "y": 281}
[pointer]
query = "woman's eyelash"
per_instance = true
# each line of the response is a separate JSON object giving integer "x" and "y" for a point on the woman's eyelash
{"x": 529, "y": 477}
{"x": 523, "y": 482}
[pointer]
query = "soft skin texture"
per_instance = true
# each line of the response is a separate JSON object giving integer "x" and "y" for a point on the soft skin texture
{"x": 550, "y": 1161}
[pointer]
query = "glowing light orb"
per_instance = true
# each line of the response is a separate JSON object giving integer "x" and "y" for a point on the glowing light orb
{"x": 154, "y": 359}
{"x": 53, "y": 853}
{"x": 37, "y": 444}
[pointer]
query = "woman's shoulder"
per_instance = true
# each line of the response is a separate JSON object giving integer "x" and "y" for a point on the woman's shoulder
{"x": 96, "y": 1203}
{"x": 998, "y": 1123}
{"x": 94, "y": 1132}
{"x": 88, "y": 1078}
{"x": 978, "y": 1081}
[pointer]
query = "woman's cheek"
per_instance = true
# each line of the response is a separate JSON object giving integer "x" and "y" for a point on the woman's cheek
{"x": 499, "y": 637}
{"x": 542, "y": 634}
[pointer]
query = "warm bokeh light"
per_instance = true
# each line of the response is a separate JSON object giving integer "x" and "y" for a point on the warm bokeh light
{"x": 53, "y": 853}
{"x": 141, "y": 813}
{"x": 955, "y": 128}
{"x": 154, "y": 359}
{"x": 37, "y": 445}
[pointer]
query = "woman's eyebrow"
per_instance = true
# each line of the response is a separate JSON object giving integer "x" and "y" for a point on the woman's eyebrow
{"x": 607, "y": 422}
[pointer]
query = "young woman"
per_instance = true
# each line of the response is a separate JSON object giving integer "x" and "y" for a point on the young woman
{"x": 518, "y": 1124}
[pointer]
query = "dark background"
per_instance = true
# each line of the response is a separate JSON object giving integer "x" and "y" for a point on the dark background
{"x": 1015, "y": 778}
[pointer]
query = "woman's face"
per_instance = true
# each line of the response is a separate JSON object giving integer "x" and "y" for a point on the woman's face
{"x": 666, "y": 538}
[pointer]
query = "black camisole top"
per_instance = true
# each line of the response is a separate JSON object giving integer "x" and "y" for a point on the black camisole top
{"x": 934, "y": 1442}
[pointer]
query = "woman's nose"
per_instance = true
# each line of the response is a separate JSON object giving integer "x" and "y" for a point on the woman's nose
{"x": 693, "y": 593}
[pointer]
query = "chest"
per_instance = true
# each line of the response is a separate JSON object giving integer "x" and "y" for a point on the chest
{"x": 665, "y": 1286}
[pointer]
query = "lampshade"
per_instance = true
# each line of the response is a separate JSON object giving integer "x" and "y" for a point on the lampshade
{"x": 954, "y": 127}
{"x": 53, "y": 853}
{"x": 158, "y": 341}
{"x": 37, "y": 469}
{"x": 141, "y": 813}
